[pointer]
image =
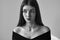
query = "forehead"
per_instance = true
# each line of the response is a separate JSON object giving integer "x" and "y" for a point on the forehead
{"x": 28, "y": 7}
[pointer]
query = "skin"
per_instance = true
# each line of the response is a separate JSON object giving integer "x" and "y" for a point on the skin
{"x": 31, "y": 30}
{"x": 29, "y": 16}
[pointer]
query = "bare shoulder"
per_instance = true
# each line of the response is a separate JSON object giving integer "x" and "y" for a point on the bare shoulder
{"x": 45, "y": 28}
{"x": 17, "y": 29}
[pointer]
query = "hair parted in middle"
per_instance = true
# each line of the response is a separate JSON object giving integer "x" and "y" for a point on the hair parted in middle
{"x": 34, "y": 4}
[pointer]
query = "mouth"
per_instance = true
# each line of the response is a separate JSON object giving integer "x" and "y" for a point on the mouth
{"x": 28, "y": 18}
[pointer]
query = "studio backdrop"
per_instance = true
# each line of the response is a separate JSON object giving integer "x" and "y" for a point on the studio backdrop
{"x": 9, "y": 16}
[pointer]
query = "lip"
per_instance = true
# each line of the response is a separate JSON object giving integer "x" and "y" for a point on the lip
{"x": 28, "y": 18}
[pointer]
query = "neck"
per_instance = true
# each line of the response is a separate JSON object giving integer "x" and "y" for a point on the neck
{"x": 30, "y": 24}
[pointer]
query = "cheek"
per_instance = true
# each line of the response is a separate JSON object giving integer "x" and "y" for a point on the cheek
{"x": 24, "y": 15}
{"x": 33, "y": 16}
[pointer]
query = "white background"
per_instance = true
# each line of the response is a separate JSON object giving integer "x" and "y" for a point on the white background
{"x": 9, "y": 16}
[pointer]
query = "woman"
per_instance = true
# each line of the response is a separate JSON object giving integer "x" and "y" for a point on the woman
{"x": 30, "y": 26}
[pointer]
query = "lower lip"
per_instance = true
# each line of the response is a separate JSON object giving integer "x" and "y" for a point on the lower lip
{"x": 28, "y": 18}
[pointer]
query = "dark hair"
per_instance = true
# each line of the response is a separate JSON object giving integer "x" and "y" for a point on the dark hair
{"x": 34, "y": 4}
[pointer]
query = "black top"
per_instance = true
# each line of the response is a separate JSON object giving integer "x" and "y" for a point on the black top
{"x": 45, "y": 36}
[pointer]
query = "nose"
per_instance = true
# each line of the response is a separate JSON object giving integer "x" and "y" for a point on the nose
{"x": 28, "y": 14}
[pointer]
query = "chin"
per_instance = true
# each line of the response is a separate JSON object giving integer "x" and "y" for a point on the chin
{"x": 28, "y": 21}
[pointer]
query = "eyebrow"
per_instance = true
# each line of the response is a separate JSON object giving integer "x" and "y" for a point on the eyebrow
{"x": 30, "y": 9}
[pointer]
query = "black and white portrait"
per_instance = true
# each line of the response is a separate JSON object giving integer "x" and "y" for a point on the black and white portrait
{"x": 29, "y": 19}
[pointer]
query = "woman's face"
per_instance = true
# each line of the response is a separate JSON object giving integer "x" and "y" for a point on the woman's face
{"x": 29, "y": 13}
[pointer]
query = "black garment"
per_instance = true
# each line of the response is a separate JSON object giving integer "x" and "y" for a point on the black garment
{"x": 45, "y": 36}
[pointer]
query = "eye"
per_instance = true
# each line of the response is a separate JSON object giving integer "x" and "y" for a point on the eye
{"x": 24, "y": 11}
{"x": 32, "y": 11}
